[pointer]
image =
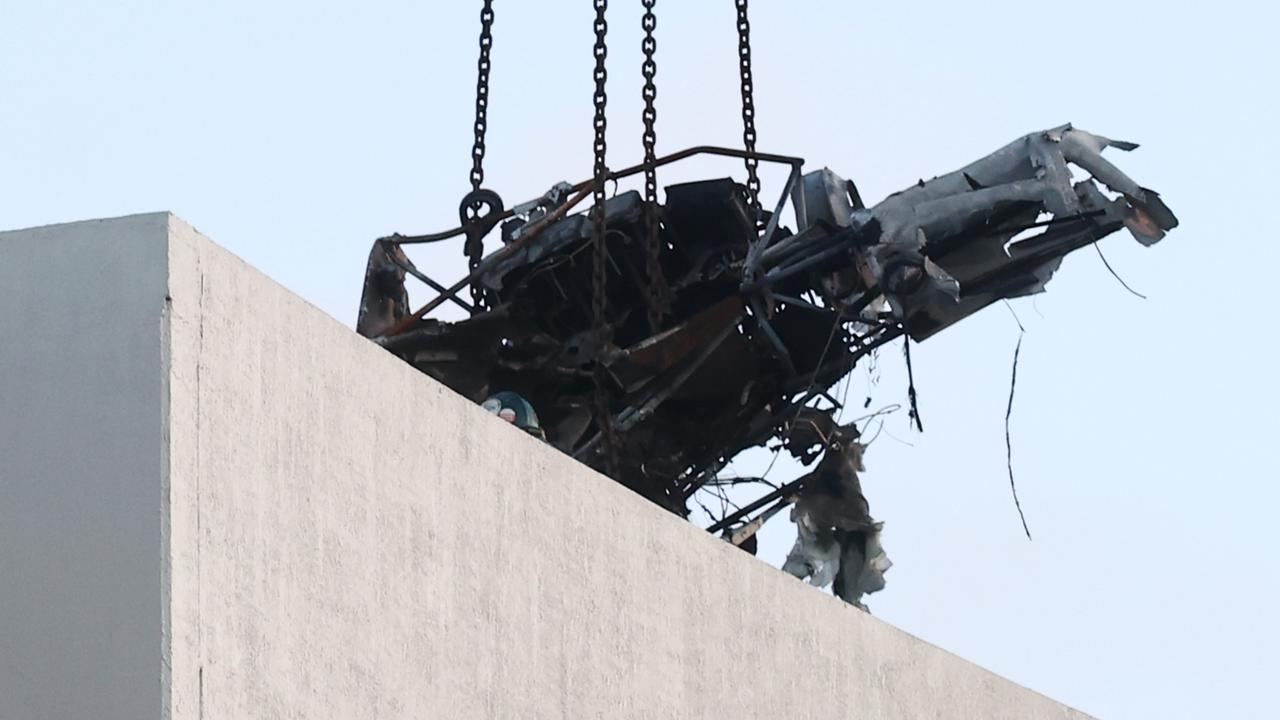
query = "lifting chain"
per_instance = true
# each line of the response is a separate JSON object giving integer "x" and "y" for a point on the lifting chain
{"x": 748, "y": 102}
{"x": 475, "y": 242}
{"x": 653, "y": 265}
{"x": 599, "y": 299}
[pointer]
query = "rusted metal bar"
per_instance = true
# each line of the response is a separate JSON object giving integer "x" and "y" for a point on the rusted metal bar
{"x": 789, "y": 489}
{"x": 408, "y": 321}
{"x": 795, "y": 162}
{"x": 758, "y": 312}
{"x": 413, "y": 270}
{"x": 805, "y": 304}
{"x": 753, "y": 253}
{"x": 746, "y": 532}
{"x": 582, "y": 189}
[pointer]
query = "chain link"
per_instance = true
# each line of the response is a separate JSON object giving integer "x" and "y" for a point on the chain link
{"x": 475, "y": 250}
{"x": 748, "y": 102}
{"x": 649, "y": 116}
{"x": 482, "y": 95}
{"x": 599, "y": 280}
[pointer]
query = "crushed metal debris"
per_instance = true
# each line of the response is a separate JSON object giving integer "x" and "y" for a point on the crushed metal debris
{"x": 755, "y": 321}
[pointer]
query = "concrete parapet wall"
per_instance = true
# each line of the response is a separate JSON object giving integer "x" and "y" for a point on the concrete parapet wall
{"x": 304, "y": 526}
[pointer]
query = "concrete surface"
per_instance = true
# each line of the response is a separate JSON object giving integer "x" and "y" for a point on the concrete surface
{"x": 81, "y": 458}
{"x": 295, "y": 524}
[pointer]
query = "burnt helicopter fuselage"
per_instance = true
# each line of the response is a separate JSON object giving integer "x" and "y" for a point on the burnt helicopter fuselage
{"x": 757, "y": 320}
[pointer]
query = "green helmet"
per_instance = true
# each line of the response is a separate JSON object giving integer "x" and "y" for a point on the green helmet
{"x": 514, "y": 409}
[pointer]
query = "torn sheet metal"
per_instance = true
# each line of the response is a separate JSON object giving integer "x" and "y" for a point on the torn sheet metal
{"x": 838, "y": 542}
{"x": 759, "y": 320}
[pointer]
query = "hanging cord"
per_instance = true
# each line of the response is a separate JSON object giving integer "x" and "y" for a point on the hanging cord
{"x": 914, "y": 412}
{"x": 1008, "y": 441}
{"x": 599, "y": 280}
{"x": 475, "y": 249}
{"x": 649, "y": 116}
{"x": 1116, "y": 275}
{"x": 748, "y": 103}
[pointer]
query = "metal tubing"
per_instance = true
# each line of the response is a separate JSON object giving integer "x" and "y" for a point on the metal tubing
{"x": 767, "y": 327}
{"x": 583, "y": 188}
{"x": 414, "y": 271}
{"x": 779, "y": 274}
{"x": 781, "y": 492}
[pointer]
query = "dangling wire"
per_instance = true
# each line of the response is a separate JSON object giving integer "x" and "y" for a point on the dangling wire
{"x": 1008, "y": 442}
{"x": 1116, "y": 275}
{"x": 914, "y": 412}
{"x": 1008, "y": 439}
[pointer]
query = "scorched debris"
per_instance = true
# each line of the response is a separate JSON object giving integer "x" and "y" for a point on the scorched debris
{"x": 756, "y": 321}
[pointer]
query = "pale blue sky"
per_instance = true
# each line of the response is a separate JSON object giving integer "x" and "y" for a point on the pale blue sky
{"x": 294, "y": 133}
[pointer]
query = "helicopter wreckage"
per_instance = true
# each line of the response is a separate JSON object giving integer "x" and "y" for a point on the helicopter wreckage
{"x": 723, "y": 330}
